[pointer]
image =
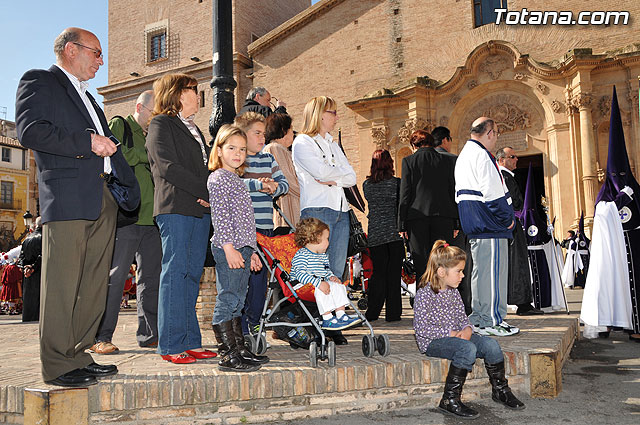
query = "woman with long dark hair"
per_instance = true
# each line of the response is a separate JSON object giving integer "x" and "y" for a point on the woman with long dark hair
{"x": 381, "y": 189}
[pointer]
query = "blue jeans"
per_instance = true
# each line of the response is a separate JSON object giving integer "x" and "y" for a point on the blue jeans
{"x": 231, "y": 285}
{"x": 338, "y": 222}
{"x": 463, "y": 353}
{"x": 184, "y": 247}
{"x": 256, "y": 293}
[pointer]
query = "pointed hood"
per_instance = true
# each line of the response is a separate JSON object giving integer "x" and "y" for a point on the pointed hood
{"x": 618, "y": 169}
{"x": 582, "y": 236}
{"x": 535, "y": 226}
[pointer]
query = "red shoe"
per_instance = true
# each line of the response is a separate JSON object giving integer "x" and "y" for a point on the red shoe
{"x": 206, "y": 354}
{"x": 182, "y": 358}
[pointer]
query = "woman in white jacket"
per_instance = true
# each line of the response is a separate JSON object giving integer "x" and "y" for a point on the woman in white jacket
{"x": 323, "y": 171}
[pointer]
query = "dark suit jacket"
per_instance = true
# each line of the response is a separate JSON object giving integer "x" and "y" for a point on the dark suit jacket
{"x": 179, "y": 173}
{"x": 427, "y": 187}
{"x": 517, "y": 201}
{"x": 52, "y": 119}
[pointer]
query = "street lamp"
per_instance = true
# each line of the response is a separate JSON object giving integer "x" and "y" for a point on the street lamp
{"x": 28, "y": 219}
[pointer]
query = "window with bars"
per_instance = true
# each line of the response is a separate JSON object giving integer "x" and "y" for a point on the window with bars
{"x": 157, "y": 41}
{"x": 6, "y": 194}
{"x": 484, "y": 11}
{"x": 6, "y": 155}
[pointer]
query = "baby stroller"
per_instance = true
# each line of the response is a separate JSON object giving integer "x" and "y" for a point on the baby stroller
{"x": 360, "y": 271}
{"x": 276, "y": 253}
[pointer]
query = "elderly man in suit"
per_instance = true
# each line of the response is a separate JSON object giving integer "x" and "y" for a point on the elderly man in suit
{"x": 61, "y": 122}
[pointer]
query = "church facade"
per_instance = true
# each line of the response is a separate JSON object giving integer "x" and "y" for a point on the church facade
{"x": 395, "y": 66}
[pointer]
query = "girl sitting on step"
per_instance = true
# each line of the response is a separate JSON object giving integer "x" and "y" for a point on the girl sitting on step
{"x": 443, "y": 330}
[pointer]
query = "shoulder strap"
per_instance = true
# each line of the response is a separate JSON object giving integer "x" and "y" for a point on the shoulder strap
{"x": 128, "y": 134}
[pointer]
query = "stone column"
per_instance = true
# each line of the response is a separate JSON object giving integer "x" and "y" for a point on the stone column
{"x": 583, "y": 101}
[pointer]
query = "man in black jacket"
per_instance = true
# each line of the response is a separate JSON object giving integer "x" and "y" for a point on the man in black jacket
{"x": 519, "y": 285}
{"x": 427, "y": 210}
{"x": 259, "y": 100}
{"x": 30, "y": 260}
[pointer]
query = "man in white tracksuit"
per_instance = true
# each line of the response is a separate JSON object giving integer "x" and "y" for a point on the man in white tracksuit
{"x": 487, "y": 218}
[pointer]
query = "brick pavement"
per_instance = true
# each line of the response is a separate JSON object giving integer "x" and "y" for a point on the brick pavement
{"x": 148, "y": 388}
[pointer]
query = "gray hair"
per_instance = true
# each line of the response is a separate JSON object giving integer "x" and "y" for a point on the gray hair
{"x": 70, "y": 35}
{"x": 38, "y": 222}
{"x": 256, "y": 91}
{"x": 483, "y": 127}
{"x": 146, "y": 98}
{"x": 501, "y": 153}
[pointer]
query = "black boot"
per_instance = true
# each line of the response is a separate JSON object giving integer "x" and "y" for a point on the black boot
{"x": 232, "y": 361}
{"x": 500, "y": 391}
{"x": 451, "y": 402}
{"x": 223, "y": 349}
{"x": 247, "y": 356}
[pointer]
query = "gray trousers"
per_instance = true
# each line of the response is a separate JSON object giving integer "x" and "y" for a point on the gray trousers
{"x": 143, "y": 243}
{"x": 76, "y": 256}
{"x": 489, "y": 279}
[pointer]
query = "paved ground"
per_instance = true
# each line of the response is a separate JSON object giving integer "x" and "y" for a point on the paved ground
{"x": 601, "y": 385}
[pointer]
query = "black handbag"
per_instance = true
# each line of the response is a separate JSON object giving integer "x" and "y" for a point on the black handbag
{"x": 357, "y": 237}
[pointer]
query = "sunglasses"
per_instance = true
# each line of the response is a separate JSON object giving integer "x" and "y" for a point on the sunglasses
{"x": 332, "y": 112}
{"x": 512, "y": 156}
{"x": 194, "y": 88}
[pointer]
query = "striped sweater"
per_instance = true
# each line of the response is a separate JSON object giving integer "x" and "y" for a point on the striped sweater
{"x": 263, "y": 165}
{"x": 310, "y": 267}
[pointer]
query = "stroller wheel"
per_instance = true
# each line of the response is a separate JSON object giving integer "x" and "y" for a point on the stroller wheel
{"x": 332, "y": 354}
{"x": 368, "y": 346}
{"x": 261, "y": 345}
{"x": 382, "y": 345}
{"x": 363, "y": 304}
{"x": 313, "y": 354}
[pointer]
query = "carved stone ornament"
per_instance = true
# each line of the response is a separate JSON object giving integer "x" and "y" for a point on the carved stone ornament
{"x": 409, "y": 127}
{"x": 472, "y": 84}
{"x": 582, "y": 100}
{"x": 444, "y": 121}
{"x": 509, "y": 117}
{"x": 541, "y": 87}
{"x": 604, "y": 106}
{"x": 455, "y": 99}
{"x": 557, "y": 106}
{"x": 494, "y": 66}
{"x": 520, "y": 77}
{"x": 379, "y": 136}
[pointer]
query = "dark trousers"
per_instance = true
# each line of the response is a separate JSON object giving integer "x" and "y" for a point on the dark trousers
{"x": 384, "y": 285}
{"x": 143, "y": 244}
{"x": 76, "y": 257}
{"x": 31, "y": 297}
{"x": 462, "y": 242}
{"x": 256, "y": 294}
{"x": 422, "y": 234}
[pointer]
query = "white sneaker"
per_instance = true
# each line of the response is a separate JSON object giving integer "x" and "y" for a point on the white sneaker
{"x": 480, "y": 331}
{"x": 514, "y": 330}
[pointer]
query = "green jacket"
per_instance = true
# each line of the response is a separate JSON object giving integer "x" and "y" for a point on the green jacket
{"x": 138, "y": 159}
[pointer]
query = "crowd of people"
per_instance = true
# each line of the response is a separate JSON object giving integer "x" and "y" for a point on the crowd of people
{"x": 148, "y": 189}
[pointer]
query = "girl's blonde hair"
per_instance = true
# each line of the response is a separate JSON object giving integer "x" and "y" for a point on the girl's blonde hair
{"x": 312, "y": 114}
{"x": 226, "y": 132}
{"x": 442, "y": 255}
{"x": 167, "y": 90}
{"x": 309, "y": 230}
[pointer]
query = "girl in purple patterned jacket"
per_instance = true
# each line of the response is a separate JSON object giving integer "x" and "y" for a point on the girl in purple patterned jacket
{"x": 443, "y": 330}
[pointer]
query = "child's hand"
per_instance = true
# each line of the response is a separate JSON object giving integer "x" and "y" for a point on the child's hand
{"x": 324, "y": 287}
{"x": 256, "y": 264}
{"x": 234, "y": 257}
{"x": 463, "y": 334}
{"x": 334, "y": 279}
{"x": 203, "y": 203}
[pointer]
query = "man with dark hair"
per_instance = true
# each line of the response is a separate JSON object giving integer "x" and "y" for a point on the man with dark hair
{"x": 137, "y": 239}
{"x": 487, "y": 218}
{"x": 259, "y": 100}
{"x": 62, "y": 123}
{"x": 519, "y": 287}
{"x": 442, "y": 140}
{"x": 571, "y": 235}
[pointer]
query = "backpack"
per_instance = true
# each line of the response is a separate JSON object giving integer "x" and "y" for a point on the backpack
{"x": 126, "y": 218}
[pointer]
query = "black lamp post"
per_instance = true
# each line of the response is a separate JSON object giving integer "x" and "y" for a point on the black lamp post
{"x": 222, "y": 83}
{"x": 28, "y": 219}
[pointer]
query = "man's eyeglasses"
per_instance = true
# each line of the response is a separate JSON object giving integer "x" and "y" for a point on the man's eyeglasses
{"x": 96, "y": 52}
{"x": 194, "y": 88}
{"x": 497, "y": 133}
{"x": 512, "y": 156}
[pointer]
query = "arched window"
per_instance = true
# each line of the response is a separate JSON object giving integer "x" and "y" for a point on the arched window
{"x": 484, "y": 11}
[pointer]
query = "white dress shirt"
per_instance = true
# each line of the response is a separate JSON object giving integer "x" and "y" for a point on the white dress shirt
{"x": 320, "y": 158}
{"x": 81, "y": 87}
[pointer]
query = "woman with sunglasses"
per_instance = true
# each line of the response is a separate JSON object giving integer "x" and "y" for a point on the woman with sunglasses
{"x": 178, "y": 156}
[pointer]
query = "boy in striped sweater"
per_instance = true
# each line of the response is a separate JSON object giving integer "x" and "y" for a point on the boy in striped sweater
{"x": 310, "y": 266}
{"x": 265, "y": 181}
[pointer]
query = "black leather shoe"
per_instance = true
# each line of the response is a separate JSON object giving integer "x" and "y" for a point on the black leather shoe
{"x": 528, "y": 310}
{"x": 75, "y": 378}
{"x": 100, "y": 370}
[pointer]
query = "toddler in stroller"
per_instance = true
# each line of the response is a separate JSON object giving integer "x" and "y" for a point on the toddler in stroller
{"x": 310, "y": 265}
